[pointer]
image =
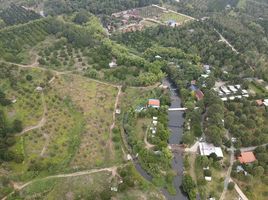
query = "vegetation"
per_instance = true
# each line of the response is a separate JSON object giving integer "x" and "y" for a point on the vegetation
{"x": 17, "y": 15}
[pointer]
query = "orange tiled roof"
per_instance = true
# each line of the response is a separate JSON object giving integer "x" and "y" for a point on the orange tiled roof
{"x": 247, "y": 157}
{"x": 154, "y": 102}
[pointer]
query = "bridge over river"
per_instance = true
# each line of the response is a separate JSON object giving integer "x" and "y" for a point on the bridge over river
{"x": 179, "y": 109}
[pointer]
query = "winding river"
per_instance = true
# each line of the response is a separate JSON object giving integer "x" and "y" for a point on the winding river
{"x": 176, "y": 121}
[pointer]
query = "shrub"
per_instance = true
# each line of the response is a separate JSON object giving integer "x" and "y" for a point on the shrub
{"x": 207, "y": 172}
{"x": 231, "y": 186}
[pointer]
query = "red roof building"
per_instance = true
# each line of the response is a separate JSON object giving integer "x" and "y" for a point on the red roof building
{"x": 199, "y": 95}
{"x": 246, "y": 157}
{"x": 154, "y": 103}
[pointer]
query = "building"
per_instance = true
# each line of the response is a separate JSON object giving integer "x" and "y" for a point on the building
{"x": 154, "y": 103}
{"x": 207, "y": 149}
{"x": 199, "y": 95}
{"x": 113, "y": 63}
{"x": 173, "y": 23}
{"x": 247, "y": 157}
{"x": 265, "y": 102}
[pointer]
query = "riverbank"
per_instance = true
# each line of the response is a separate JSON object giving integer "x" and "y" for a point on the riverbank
{"x": 176, "y": 121}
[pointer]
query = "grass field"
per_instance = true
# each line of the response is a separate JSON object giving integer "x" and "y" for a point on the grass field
{"x": 254, "y": 189}
{"x": 173, "y": 16}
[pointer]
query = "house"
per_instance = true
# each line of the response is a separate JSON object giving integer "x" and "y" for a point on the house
{"x": 193, "y": 88}
{"x": 154, "y": 103}
{"x": 113, "y": 63}
{"x": 208, "y": 178}
{"x": 207, "y": 69}
{"x": 265, "y": 102}
{"x": 117, "y": 111}
{"x": 172, "y": 23}
{"x": 199, "y": 95}
{"x": 207, "y": 149}
{"x": 224, "y": 98}
{"x": 232, "y": 88}
{"x": 39, "y": 89}
{"x": 247, "y": 157}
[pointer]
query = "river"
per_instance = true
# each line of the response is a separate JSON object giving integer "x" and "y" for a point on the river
{"x": 176, "y": 122}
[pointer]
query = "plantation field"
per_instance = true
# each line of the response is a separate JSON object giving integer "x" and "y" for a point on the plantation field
{"x": 28, "y": 104}
{"x": 61, "y": 56}
{"x": 96, "y": 102}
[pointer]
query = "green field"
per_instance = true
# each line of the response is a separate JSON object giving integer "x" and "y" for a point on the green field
{"x": 173, "y": 16}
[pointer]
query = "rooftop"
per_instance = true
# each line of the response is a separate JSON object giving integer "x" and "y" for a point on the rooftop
{"x": 155, "y": 103}
{"x": 207, "y": 149}
{"x": 247, "y": 157}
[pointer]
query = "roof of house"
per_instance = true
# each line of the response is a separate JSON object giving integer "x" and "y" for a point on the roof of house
{"x": 193, "y": 87}
{"x": 207, "y": 149}
{"x": 154, "y": 102}
{"x": 199, "y": 94}
{"x": 247, "y": 157}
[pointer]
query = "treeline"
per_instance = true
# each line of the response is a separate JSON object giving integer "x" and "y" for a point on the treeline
{"x": 17, "y": 15}
{"x": 97, "y": 7}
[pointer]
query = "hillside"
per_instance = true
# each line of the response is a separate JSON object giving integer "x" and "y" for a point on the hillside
{"x": 118, "y": 99}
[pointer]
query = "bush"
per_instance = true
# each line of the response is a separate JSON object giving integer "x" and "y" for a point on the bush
{"x": 17, "y": 126}
{"x": 29, "y": 77}
{"x": 231, "y": 186}
{"x": 207, "y": 172}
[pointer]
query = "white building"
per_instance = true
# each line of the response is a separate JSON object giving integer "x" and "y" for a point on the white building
{"x": 232, "y": 88}
{"x": 207, "y": 149}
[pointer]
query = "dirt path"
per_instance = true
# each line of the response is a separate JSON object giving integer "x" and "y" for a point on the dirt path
{"x": 110, "y": 143}
{"x": 147, "y": 144}
{"x": 40, "y": 123}
{"x": 17, "y": 187}
{"x": 226, "y": 41}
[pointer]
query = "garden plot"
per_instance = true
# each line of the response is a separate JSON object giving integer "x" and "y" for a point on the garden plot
{"x": 96, "y": 102}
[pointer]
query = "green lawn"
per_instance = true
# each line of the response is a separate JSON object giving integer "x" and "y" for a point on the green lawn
{"x": 173, "y": 16}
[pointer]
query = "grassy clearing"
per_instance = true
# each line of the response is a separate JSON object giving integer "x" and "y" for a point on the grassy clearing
{"x": 173, "y": 16}
{"x": 213, "y": 188}
{"x": 254, "y": 189}
{"x": 96, "y": 102}
{"x": 94, "y": 186}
